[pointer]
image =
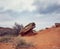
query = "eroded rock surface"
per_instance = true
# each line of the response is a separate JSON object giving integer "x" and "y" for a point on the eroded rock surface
{"x": 27, "y": 28}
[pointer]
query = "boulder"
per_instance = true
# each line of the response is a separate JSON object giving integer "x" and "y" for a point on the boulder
{"x": 57, "y": 24}
{"x": 27, "y": 28}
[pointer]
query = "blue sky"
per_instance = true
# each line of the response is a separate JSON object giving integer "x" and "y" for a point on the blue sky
{"x": 43, "y": 12}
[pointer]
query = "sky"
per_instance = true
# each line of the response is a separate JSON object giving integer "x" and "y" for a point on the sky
{"x": 43, "y": 12}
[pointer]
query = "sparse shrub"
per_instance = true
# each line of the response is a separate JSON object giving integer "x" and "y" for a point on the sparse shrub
{"x": 5, "y": 39}
{"x": 18, "y": 27}
{"x": 22, "y": 44}
{"x": 18, "y": 42}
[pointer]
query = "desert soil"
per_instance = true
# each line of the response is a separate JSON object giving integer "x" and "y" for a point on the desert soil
{"x": 46, "y": 39}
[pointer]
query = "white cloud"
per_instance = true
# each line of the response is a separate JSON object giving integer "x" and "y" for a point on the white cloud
{"x": 47, "y": 6}
{"x": 24, "y": 12}
{"x": 18, "y": 4}
{"x": 5, "y": 17}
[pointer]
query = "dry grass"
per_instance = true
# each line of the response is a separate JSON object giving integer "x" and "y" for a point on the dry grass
{"x": 5, "y": 39}
{"x": 22, "y": 44}
{"x": 18, "y": 41}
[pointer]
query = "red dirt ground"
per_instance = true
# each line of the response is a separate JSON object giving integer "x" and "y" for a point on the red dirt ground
{"x": 46, "y": 39}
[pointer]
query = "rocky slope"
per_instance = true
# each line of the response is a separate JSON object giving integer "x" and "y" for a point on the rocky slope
{"x": 45, "y": 39}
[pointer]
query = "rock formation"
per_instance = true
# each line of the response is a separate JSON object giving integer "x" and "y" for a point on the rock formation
{"x": 27, "y": 29}
{"x": 57, "y": 24}
{"x": 7, "y": 31}
{"x": 12, "y": 31}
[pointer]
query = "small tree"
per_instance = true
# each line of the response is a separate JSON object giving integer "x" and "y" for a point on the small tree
{"x": 18, "y": 27}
